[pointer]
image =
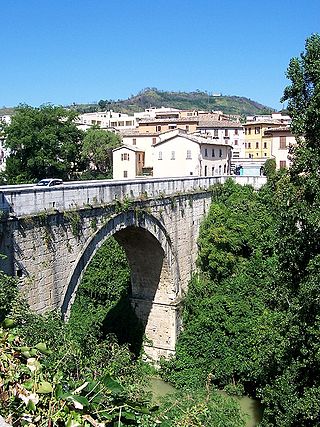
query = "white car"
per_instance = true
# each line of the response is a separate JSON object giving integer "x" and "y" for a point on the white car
{"x": 49, "y": 182}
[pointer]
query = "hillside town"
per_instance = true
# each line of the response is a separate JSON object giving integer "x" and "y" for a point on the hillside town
{"x": 167, "y": 142}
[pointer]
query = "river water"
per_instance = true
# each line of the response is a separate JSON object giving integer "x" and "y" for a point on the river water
{"x": 249, "y": 406}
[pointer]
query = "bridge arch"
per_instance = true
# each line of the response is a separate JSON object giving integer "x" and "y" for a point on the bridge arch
{"x": 155, "y": 278}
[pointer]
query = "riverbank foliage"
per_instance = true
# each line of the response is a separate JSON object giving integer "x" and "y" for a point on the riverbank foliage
{"x": 78, "y": 373}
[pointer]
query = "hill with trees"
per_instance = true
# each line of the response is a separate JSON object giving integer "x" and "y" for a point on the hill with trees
{"x": 197, "y": 100}
{"x": 153, "y": 97}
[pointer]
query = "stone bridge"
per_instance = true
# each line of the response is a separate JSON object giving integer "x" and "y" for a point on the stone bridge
{"x": 50, "y": 235}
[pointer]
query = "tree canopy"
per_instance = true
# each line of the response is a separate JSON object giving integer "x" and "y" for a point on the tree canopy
{"x": 43, "y": 142}
{"x": 97, "y": 150}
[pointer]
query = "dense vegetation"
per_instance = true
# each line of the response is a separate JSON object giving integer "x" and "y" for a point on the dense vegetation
{"x": 45, "y": 142}
{"x": 78, "y": 374}
{"x": 252, "y": 313}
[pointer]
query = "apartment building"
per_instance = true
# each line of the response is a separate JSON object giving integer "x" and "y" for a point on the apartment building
{"x": 224, "y": 132}
{"x": 106, "y": 120}
{"x": 281, "y": 141}
{"x": 257, "y": 140}
{"x": 180, "y": 154}
{"x": 145, "y": 142}
{"x": 165, "y": 124}
{"x": 128, "y": 162}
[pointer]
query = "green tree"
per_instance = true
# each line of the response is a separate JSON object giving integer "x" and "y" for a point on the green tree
{"x": 292, "y": 396}
{"x": 228, "y": 320}
{"x": 97, "y": 151}
{"x": 43, "y": 142}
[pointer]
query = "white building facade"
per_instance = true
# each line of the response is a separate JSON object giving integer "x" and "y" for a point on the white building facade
{"x": 106, "y": 120}
{"x": 185, "y": 155}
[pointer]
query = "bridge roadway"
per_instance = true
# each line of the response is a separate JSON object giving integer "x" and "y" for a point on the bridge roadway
{"x": 28, "y": 199}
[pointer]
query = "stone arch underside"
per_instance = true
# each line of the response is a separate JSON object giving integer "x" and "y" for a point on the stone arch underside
{"x": 155, "y": 284}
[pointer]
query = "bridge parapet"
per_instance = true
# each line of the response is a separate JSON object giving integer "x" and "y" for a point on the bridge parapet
{"x": 30, "y": 200}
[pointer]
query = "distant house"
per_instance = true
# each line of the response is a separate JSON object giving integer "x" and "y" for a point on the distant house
{"x": 144, "y": 141}
{"x": 166, "y": 122}
{"x": 181, "y": 154}
{"x": 106, "y": 120}
{"x": 257, "y": 139}
{"x": 128, "y": 162}
{"x": 224, "y": 132}
{"x": 281, "y": 139}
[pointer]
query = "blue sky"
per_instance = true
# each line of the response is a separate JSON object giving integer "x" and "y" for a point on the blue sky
{"x": 64, "y": 51}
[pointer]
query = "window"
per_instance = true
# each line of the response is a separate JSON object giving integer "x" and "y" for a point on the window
{"x": 257, "y": 154}
{"x": 205, "y": 152}
{"x": 220, "y": 169}
{"x": 245, "y": 145}
{"x": 134, "y": 141}
{"x": 226, "y": 132}
{"x": 220, "y": 153}
{"x": 173, "y": 155}
{"x": 236, "y": 132}
{"x": 172, "y": 127}
{"x": 212, "y": 171}
{"x": 125, "y": 156}
{"x": 224, "y": 169}
{"x": 188, "y": 154}
{"x": 160, "y": 155}
{"x": 154, "y": 140}
{"x": 245, "y": 131}
{"x": 283, "y": 143}
{"x": 212, "y": 153}
{"x": 128, "y": 123}
{"x": 226, "y": 141}
{"x": 249, "y": 131}
{"x": 283, "y": 164}
{"x": 257, "y": 144}
{"x": 158, "y": 128}
{"x": 264, "y": 145}
{"x": 215, "y": 133}
{"x": 235, "y": 142}
{"x": 249, "y": 144}
{"x": 257, "y": 130}
{"x": 205, "y": 170}
{"x": 265, "y": 154}
{"x": 187, "y": 128}
{"x": 125, "y": 174}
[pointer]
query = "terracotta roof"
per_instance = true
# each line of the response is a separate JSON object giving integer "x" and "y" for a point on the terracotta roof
{"x": 129, "y": 147}
{"x": 136, "y": 133}
{"x": 280, "y": 128}
{"x": 171, "y": 120}
{"x": 265, "y": 122}
{"x": 198, "y": 140}
{"x": 219, "y": 124}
